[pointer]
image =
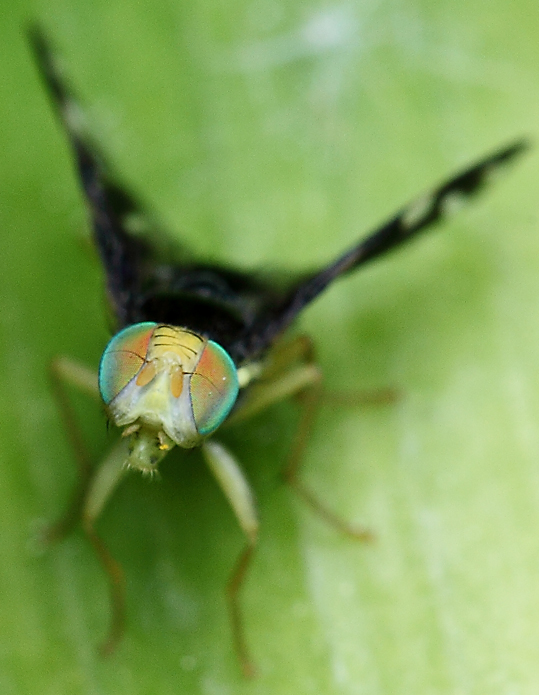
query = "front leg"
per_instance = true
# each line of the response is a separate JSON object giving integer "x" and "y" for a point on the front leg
{"x": 240, "y": 496}
{"x": 95, "y": 486}
{"x": 103, "y": 483}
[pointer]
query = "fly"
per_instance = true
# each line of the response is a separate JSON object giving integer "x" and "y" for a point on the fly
{"x": 198, "y": 345}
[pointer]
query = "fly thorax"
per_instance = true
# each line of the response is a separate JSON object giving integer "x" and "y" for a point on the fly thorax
{"x": 167, "y": 379}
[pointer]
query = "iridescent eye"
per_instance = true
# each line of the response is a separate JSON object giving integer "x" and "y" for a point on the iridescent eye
{"x": 214, "y": 388}
{"x": 123, "y": 358}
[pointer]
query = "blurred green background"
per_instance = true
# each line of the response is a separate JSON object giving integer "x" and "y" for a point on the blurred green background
{"x": 274, "y": 134}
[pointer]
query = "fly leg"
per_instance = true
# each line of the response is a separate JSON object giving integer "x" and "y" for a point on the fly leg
{"x": 311, "y": 400}
{"x": 94, "y": 488}
{"x": 240, "y": 496}
{"x": 65, "y": 371}
{"x": 291, "y": 371}
{"x": 103, "y": 483}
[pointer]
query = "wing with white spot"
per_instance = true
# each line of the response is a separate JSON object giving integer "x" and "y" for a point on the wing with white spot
{"x": 420, "y": 215}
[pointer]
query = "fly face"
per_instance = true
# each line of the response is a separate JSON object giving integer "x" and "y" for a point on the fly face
{"x": 167, "y": 386}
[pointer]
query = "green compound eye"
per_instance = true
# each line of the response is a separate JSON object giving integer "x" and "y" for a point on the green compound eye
{"x": 213, "y": 387}
{"x": 123, "y": 358}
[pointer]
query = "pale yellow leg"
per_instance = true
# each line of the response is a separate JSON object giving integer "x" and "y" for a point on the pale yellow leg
{"x": 104, "y": 482}
{"x": 94, "y": 488}
{"x": 238, "y": 492}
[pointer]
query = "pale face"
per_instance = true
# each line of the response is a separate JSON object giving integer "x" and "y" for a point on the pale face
{"x": 168, "y": 382}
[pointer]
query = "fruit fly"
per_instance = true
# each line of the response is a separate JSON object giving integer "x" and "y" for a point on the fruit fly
{"x": 198, "y": 345}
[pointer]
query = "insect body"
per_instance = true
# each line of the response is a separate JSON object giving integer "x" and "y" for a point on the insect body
{"x": 199, "y": 345}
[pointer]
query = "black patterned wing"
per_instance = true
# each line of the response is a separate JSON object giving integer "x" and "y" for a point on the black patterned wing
{"x": 406, "y": 224}
{"x": 121, "y": 254}
{"x": 143, "y": 283}
{"x": 242, "y": 311}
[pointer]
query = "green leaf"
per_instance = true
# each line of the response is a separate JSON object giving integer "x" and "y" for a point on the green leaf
{"x": 276, "y": 134}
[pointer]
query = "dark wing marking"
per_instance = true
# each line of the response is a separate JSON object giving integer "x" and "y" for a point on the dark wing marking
{"x": 108, "y": 205}
{"x": 414, "y": 218}
{"x": 220, "y": 303}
